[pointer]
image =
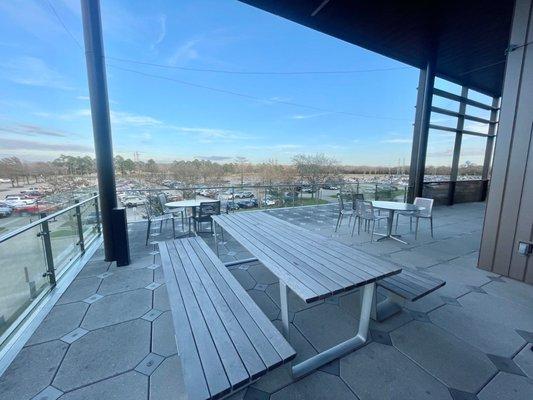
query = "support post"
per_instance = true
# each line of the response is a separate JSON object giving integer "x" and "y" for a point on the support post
{"x": 421, "y": 130}
{"x": 47, "y": 244}
{"x": 457, "y": 146}
{"x": 487, "y": 161}
{"x": 96, "y": 74}
{"x": 79, "y": 225}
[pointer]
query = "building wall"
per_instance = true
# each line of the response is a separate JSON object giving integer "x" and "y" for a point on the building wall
{"x": 509, "y": 213}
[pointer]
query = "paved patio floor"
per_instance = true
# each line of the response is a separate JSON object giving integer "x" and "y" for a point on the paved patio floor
{"x": 110, "y": 335}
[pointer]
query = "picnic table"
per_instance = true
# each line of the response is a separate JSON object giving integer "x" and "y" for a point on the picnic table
{"x": 313, "y": 267}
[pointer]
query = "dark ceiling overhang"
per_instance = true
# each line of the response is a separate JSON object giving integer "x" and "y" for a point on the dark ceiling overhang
{"x": 467, "y": 38}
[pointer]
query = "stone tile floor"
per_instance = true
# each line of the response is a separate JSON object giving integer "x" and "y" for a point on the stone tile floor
{"x": 110, "y": 336}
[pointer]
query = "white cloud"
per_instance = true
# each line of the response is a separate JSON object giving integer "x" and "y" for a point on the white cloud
{"x": 185, "y": 52}
{"x": 397, "y": 140}
{"x": 307, "y": 116}
{"x": 128, "y": 119}
{"x": 162, "y": 20}
{"x": 32, "y": 71}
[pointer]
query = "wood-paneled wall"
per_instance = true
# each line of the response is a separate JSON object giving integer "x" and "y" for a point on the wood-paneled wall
{"x": 509, "y": 213}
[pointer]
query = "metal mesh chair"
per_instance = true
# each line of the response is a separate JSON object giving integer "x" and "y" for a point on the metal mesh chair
{"x": 155, "y": 213}
{"x": 365, "y": 212}
{"x": 344, "y": 209}
{"x": 205, "y": 213}
{"x": 426, "y": 212}
{"x": 182, "y": 211}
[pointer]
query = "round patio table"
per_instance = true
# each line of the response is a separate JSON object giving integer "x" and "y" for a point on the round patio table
{"x": 192, "y": 203}
{"x": 188, "y": 203}
{"x": 392, "y": 207}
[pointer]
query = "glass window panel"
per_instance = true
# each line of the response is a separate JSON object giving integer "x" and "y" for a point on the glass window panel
{"x": 471, "y": 157}
{"x": 439, "y": 155}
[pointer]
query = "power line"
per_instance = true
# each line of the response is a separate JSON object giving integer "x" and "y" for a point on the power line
{"x": 251, "y": 97}
{"x": 235, "y": 72}
{"x": 54, "y": 11}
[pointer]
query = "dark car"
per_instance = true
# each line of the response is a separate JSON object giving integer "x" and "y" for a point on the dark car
{"x": 5, "y": 210}
{"x": 229, "y": 206}
{"x": 247, "y": 203}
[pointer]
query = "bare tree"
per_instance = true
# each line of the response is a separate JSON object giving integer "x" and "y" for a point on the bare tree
{"x": 316, "y": 169}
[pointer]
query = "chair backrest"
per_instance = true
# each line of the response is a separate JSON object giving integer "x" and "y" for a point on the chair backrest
{"x": 355, "y": 198}
{"x": 153, "y": 207}
{"x": 208, "y": 209}
{"x": 427, "y": 204}
{"x": 366, "y": 208}
{"x": 341, "y": 201}
{"x": 162, "y": 197}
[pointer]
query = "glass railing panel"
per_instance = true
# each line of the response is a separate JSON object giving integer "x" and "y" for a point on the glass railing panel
{"x": 23, "y": 263}
{"x": 64, "y": 238}
{"x": 89, "y": 222}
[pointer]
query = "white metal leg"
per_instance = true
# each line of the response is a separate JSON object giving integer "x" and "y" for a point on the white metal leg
{"x": 346, "y": 347}
{"x": 284, "y": 305}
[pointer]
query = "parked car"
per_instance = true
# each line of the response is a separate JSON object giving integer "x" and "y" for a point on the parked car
{"x": 327, "y": 186}
{"x": 308, "y": 189}
{"x": 269, "y": 201}
{"x": 5, "y": 210}
{"x": 14, "y": 200}
{"x": 244, "y": 195}
{"x": 228, "y": 206}
{"x": 247, "y": 203}
{"x": 133, "y": 201}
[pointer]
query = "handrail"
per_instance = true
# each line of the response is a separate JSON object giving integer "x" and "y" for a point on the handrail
{"x": 458, "y": 181}
{"x": 256, "y": 186}
{"x": 38, "y": 222}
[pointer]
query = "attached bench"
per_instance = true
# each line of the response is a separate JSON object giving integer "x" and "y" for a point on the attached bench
{"x": 406, "y": 286}
{"x": 224, "y": 340}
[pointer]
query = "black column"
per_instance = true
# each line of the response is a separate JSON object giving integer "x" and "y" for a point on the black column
{"x": 96, "y": 74}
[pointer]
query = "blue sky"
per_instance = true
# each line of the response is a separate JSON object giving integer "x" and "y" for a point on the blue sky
{"x": 358, "y": 118}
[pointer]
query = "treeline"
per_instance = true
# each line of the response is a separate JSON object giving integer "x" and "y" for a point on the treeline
{"x": 313, "y": 169}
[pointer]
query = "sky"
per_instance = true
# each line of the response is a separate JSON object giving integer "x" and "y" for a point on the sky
{"x": 170, "y": 112}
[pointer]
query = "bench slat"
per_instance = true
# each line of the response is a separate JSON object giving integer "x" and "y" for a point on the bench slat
{"x": 233, "y": 366}
{"x": 193, "y": 374}
{"x": 217, "y": 382}
{"x": 248, "y": 349}
{"x": 224, "y": 339}
{"x": 281, "y": 346}
{"x": 411, "y": 285}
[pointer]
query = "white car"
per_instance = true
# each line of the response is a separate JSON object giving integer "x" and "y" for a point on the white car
{"x": 17, "y": 201}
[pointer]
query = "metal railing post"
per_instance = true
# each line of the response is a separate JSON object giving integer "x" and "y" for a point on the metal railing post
{"x": 97, "y": 217}
{"x": 45, "y": 235}
{"x": 81, "y": 241}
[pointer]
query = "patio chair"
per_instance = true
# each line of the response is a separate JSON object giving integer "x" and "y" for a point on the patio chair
{"x": 426, "y": 213}
{"x": 154, "y": 214}
{"x": 203, "y": 214}
{"x": 182, "y": 211}
{"x": 365, "y": 211}
{"x": 344, "y": 209}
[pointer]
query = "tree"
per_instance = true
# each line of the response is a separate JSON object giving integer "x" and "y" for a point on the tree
{"x": 316, "y": 169}
{"x": 151, "y": 167}
{"x": 119, "y": 164}
{"x": 243, "y": 164}
{"x": 12, "y": 168}
{"x": 128, "y": 166}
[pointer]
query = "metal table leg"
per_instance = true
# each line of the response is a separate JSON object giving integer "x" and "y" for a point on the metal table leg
{"x": 284, "y": 305}
{"x": 389, "y": 234}
{"x": 344, "y": 348}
